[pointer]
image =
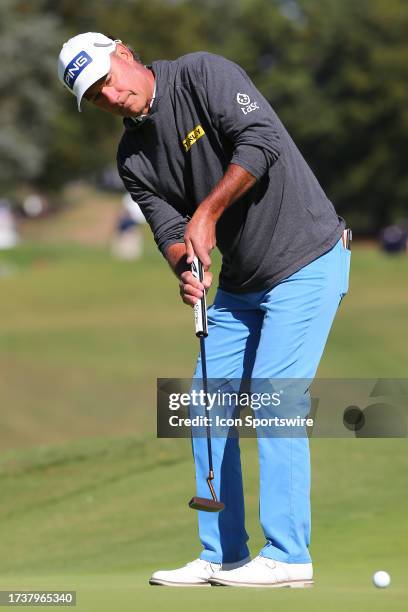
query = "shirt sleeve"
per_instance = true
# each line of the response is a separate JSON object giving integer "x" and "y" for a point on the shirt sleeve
{"x": 166, "y": 223}
{"x": 241, "y": 113}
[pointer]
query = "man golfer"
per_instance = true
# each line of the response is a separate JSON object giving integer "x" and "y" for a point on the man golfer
{"x": 210, "y": 163}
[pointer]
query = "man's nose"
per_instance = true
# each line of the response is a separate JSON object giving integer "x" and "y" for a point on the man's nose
{"x": 110, "y": 94}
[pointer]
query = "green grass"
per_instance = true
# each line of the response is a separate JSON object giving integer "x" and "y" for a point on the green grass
{"x": 100, "y": 515}
{"x": 90, "y": 500}
{"x": 369, "y": 336}
{"x": 90, "y": 335}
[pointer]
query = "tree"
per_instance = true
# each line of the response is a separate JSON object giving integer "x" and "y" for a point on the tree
{"x": 27, "y": 49}
{"x": 355, "y": 57}
{"x": 337, "y": 74}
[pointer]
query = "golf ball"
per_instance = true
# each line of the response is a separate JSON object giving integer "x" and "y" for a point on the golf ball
{"x": 381, "y": 579}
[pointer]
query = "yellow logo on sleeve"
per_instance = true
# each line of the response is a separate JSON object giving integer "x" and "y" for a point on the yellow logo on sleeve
{"x": 192, "y": 137}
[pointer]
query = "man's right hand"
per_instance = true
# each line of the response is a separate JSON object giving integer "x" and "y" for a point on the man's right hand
{"x": 191, "y": 290}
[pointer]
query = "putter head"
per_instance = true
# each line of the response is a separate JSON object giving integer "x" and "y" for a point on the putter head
{"x": 207, "y": 505}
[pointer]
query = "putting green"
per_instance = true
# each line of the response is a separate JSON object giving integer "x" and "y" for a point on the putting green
{"x": 99, "y": 516}
{"x": 91, "y": 501}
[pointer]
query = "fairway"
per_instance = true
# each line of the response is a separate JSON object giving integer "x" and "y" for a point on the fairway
{"x": 91, "y": 501}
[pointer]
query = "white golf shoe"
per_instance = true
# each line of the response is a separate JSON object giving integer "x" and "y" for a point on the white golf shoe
{"x": 195, "y": 573}
{"x": 264, "y": 572}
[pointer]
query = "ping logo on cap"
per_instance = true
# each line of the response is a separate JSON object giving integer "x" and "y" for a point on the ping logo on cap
{"x": 75, "y": 67}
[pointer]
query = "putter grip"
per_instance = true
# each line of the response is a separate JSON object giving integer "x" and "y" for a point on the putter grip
{"x": 200, "y": 309}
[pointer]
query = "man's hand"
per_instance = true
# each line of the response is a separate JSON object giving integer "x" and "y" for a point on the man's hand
{"x": 199, "y": 236}
{"x": 191, "y": 290}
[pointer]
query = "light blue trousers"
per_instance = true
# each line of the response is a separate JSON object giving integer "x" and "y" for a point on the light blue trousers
{"x": 279, "y": 333}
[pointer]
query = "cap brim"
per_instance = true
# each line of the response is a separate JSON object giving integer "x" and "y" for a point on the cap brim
{"x": 88, "y": 79}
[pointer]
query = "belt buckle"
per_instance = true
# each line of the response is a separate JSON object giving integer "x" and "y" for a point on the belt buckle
{"x": 347, "y": 238}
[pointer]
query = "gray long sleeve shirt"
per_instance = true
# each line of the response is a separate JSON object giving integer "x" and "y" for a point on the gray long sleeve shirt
{"x": 207, "y": 113}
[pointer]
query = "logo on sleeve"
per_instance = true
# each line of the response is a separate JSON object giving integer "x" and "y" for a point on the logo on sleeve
{"x": 243, "y": 99}
{"x": 192, "y": 137}
{"x": 75, "y": 67}
{"x": 246, "y": 105}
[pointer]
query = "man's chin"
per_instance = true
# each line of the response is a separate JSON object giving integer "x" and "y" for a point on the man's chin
{"x": 132, "y": 113}
{"x": 122, "y": 111}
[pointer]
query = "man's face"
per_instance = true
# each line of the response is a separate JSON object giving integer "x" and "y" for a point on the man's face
{"x": 126, "y": 90}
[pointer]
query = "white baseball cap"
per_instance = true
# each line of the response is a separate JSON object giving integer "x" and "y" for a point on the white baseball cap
{"x": 83, "y": 60}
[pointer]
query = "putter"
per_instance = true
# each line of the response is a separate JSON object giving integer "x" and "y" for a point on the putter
{"x": 201, "y": 330}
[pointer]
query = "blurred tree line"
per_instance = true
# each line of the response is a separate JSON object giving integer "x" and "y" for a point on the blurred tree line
{"x": 335, "y": 71}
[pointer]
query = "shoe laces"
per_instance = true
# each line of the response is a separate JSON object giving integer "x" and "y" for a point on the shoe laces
{"x": 266, "y": 561}
{"x": 201, "y": 562}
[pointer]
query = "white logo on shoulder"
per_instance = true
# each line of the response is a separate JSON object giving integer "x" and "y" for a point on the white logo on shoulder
{"x": 243, "y": 99}
{"x": 246, "y": 105}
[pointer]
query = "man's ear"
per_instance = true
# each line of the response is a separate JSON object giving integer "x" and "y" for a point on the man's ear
{"x": 123, "y": 52}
